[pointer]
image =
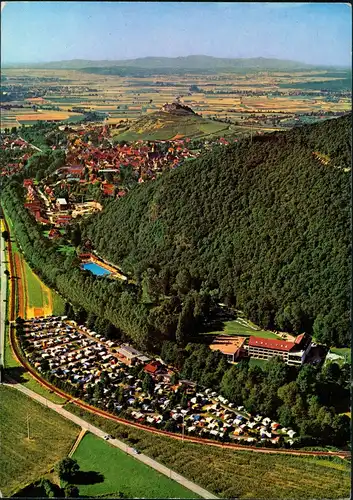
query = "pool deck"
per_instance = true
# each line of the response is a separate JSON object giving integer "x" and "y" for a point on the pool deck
{"x": 110, "y": 270}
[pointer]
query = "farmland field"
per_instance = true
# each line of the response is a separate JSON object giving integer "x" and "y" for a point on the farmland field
{"x": 37, "y": 296}
{"x": 51, "y": 437}
{"x": 35, "y": 292}
{"x": 232, "y": 474}
{"x": 235, "y": 96}
{"x": 122, "y": 473}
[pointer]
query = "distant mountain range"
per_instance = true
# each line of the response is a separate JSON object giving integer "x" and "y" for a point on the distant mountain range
{"x": 195, "y": 62}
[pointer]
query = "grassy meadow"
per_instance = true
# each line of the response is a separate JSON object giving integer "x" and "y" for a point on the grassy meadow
{"x": 242, "y": 328}
{"x": 237, "y": 474}
{"x": 51, "y": 437}
{"x": 35, "y": 293}
{"x": 121, "y": 473}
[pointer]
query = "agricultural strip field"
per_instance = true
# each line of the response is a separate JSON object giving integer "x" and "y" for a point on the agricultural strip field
{"x": 38, "y": 299}
{"x": 37, "y": 296}
{"x": 122, "y": 473}
{"x": 233, "y": 474}
{"x": 51, "y": 437}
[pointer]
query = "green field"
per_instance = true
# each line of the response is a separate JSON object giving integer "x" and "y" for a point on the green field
{"x": 34, "y": 289}
{"x": 232, "y": 474}
{"x": 51, "y": 437}
{"x": 122, "y": 473}
{"x": 236, "y": 327}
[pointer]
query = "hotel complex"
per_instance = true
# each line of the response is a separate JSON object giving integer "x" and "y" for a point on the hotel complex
{"x": 293, "y": 353}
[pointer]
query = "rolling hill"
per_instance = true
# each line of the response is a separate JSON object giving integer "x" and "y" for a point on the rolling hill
{"x": 177, "y": 121}
{"x": 265, "y": 225}
{"x": 193, "y": 62}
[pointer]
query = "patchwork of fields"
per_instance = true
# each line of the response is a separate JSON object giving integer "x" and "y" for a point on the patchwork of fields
{"x": 120, "y": 98}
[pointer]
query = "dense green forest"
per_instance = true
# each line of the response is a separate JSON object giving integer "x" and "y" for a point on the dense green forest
{"x": 261, "y": 225}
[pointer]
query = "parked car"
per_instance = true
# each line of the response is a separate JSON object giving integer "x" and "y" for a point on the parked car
{"x": 137, "y": 452}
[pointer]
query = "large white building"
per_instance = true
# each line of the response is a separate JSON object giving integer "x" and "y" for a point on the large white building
{"x": 293, "y": 353}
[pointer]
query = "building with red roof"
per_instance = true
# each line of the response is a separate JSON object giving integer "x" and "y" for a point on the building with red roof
{"x": 293, "y": 353}
{"x": 154, "y": 368}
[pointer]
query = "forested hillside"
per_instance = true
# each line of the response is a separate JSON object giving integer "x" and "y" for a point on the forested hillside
{"x": 264, "y": 226}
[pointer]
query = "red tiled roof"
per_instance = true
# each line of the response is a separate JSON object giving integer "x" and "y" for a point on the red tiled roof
{"x": 151, "y": 368}
{"x": 299, "y": 338}
{"x": 279, "y": 345}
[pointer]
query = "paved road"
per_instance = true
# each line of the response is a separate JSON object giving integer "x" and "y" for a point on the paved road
{"x": 115, "y": 442}
{"x": 3, "y": 279}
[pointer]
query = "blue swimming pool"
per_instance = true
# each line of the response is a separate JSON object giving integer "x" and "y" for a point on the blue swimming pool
{"x": 95, "y": 269}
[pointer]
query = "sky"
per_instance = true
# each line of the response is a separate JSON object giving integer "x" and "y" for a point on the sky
{"x": 314, "y": 33}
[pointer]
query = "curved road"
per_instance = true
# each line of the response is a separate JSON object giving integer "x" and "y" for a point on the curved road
{"x": 115, "y": 442}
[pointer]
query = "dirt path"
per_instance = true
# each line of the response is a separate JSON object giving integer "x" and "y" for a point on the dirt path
{"x": 77, "y": 442}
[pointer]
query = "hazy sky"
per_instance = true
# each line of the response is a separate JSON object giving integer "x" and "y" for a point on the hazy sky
{"x": 319, "y": 33}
